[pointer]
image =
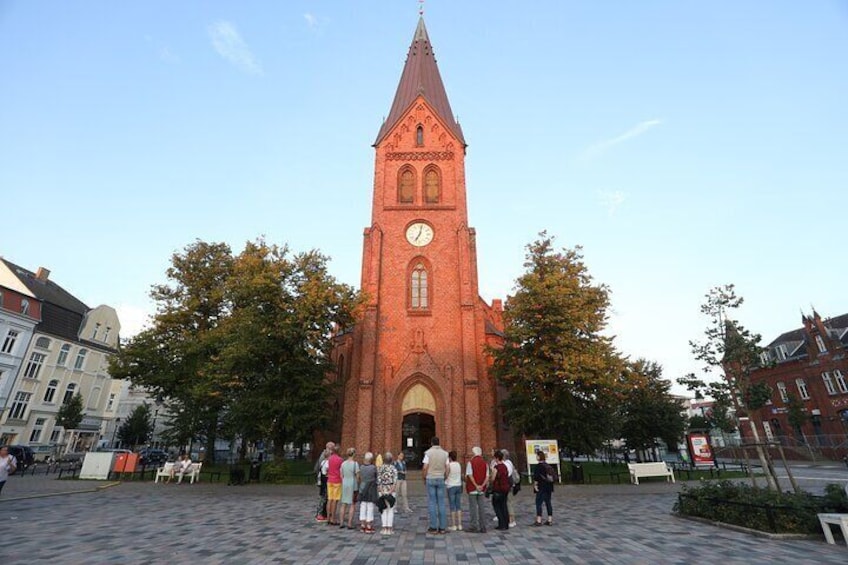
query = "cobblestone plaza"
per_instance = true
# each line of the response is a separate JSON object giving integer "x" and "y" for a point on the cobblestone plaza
{"x": 142, "y": 522}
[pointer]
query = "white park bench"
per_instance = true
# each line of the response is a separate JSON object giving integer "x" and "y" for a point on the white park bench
{"x": 193, "y": 472}
{"x": 638, "y": 470}
{"x": 840, "y": 520}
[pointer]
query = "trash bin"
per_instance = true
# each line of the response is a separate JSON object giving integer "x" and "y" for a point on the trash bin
{"x": 255, "y": 468}
{"x": 577, "y": 473}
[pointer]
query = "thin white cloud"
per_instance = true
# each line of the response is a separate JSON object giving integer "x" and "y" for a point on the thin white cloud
{"x": 311, "y": 20}
{"x": 168, "y": 56}
{"x": 228, "y": 43}
{"x": 637, "y": 130}
{"x": 611, "y": 200}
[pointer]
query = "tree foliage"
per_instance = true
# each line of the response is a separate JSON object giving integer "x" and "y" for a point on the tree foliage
{"x": 561, "y": 374}
{"x": 137, "y": 428}
{"x": 649, "y": 411}
{"x": 734, "y": 352}
{"x": 239, "y": 343}
{"x": 70, "y": 414}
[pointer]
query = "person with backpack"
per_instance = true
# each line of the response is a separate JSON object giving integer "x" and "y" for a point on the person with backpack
{"x": 543, "y": 485}
{"x": 514, "y": 484}
{"x": 500, "y": 491}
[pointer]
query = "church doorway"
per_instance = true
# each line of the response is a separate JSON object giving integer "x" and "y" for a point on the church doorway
{"x": 417, "y": 431}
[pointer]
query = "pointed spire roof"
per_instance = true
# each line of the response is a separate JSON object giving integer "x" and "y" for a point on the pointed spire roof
{"x": 420, "y": 76}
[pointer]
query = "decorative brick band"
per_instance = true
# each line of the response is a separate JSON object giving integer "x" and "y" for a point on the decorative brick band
{"x": 420, "y": 156}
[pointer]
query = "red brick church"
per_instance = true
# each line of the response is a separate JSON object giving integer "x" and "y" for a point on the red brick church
{"x": 415, "y": 365}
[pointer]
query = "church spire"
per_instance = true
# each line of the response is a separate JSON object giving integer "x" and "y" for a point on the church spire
{"x": 421, "y": 76}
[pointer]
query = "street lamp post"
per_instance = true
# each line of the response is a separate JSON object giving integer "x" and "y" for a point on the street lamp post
{"x": 115, "y": 431}
{"x": 153, "y": 429}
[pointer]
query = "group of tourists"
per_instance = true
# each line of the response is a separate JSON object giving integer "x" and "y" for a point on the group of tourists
{"x": 379, "y": 485}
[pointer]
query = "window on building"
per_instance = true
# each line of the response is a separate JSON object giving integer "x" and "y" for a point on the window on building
{"x": 1, "y": 298}
{"x": 432, "y": 186}
{"x": 828, "y": 383}
{"x": 840, "y": 381}
{"x": 419, "y": 135}
{"x": 784, "y": 395}
{"x": 419, "y": 291}
{"x": 406, "y": 186}
{"x": 50, "y": 393}
{"x": 36, "y": 360}
{"x": 764, "y": 358}
{"x": 80, "y": 362}
{"x": 35, "y": 436}
{"x": 820, "y": 344}
{"x": 69, "y": 393}
{"x": 20, "y": 405}
{"x": 9, "y": 342}
{"x": 63, "y": 355}
{"x": 96, "y": 330}
{"x": 780, "y": 352}
{"x": 111, "y": 404}
{"x": 25, "y": 306}
{"x": 54, "y": 435}
{"x": 106, "y": 335}
{"x": 802, "y": 389}
{"x": 42, "y": 343}
{"x": 767, "y": 430}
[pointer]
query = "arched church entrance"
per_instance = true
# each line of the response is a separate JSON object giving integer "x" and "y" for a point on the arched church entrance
{"x": 419, "y": 423}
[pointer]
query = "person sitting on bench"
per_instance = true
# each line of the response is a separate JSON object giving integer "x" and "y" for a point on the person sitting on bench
{"x": 180, "y": 468}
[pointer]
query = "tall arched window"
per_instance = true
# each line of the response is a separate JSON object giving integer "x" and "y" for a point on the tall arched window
{"x": 69, "y": 393}
{"x": 419, "y": 135}
{"x": 406, "y": 186}
{"x": 432, "y": 186}
{"x": 50, "y": 393}
{"x": 419, "y": 287}
{"x": 43, "y": 343}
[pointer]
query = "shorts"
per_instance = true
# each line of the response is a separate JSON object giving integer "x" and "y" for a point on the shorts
{"x": 334, "y": 491}
{"x": 454, "y": 497}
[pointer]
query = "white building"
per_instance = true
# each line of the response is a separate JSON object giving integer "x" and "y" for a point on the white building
{"x": 68, "y": 354}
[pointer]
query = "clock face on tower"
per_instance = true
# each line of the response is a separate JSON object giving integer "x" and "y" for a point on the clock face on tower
{"x": 419, "y": 234}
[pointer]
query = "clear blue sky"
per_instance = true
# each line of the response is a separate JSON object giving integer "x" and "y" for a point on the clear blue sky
{"x": 683, "y": 144}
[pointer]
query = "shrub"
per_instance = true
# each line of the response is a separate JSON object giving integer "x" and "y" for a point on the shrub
{"x": 759, "y": 508}
{"x": 276, "y": 472}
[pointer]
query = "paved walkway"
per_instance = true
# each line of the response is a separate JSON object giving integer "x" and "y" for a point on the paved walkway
{"x": 213, "y": 523}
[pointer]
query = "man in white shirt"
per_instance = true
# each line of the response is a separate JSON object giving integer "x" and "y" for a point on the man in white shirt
{"x": 8, "y": 464}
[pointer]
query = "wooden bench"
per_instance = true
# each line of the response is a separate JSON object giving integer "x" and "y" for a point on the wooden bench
{"x": 649, "y": 470}
{"x": 193, "y": 472}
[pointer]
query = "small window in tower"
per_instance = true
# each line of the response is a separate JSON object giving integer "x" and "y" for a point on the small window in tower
{"x": 420, "y": 292}
{"x": 419, "y": 135}
{"x": 406, "y": 186}
{"x": 432, "y": 186}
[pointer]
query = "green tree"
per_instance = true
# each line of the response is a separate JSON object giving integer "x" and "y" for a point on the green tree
{"x": 698, "y": 422}
{"x": 733, "y": 351}
{"x": 561, "y": 374}
{"x": 796, "y": 414}
{"x": 137, "y": 428}
{"x": 240, "y": 345}
{"x": 649, "y": 411}
{"x": 174, "y": 359}
{"x": 70, "y": 414}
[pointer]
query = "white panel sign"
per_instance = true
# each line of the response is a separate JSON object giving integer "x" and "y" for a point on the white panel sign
{"x": 96, "y": 465}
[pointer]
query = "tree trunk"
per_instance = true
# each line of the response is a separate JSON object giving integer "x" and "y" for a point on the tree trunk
{"x": 771, "y": 480}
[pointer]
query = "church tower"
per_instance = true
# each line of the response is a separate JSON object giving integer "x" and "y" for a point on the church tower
{"x": 414, "y": 365}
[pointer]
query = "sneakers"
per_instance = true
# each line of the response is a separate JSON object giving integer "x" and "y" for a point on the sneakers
{"x": 512, "y": 524}
{"x": 459, "y": 527}
{"x": 320, "y": 518}
{"x": 432, "y": 531}
{"x": 452, "y": 529}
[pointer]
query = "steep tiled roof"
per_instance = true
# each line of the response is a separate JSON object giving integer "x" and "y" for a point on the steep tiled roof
{"x": 837, "y": 322}
{"x": 420, "y": 76}
{"x": 61, "y": 312}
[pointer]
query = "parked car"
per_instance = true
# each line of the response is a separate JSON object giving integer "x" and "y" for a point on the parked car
{"x": 149, "y": 456}
{"x": 24, "y": 455}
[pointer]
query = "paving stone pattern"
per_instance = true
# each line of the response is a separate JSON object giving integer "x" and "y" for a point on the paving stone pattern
{"x": 214, "y": 523}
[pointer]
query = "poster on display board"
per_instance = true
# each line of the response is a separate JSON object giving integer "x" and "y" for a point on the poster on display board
{"x": 547, "y": 446}
{"x": 702, "y": 453}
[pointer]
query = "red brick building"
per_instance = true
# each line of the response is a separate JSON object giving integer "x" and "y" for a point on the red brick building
{"x": 811, "y": 365}
{"x": 414, "y": 366}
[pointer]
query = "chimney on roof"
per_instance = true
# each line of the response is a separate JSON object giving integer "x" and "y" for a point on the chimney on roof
{"x": 42, "y": 274}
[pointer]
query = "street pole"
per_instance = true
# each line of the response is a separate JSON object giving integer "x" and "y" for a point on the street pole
{"x": 115, "y": 431}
